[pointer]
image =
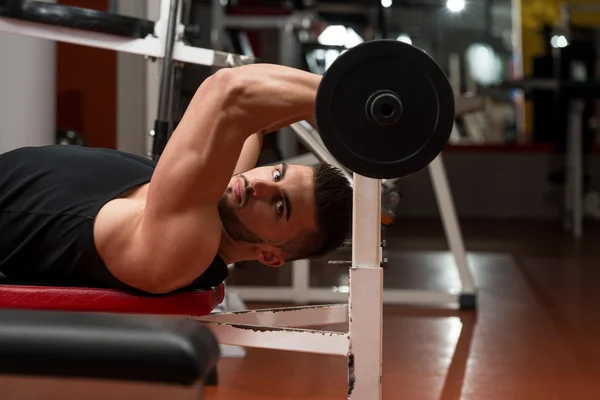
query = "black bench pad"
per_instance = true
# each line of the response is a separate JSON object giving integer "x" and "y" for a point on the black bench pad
{"x": 106, "y": 346}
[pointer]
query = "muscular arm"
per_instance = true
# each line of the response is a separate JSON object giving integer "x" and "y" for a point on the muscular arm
{"x": 178, "y": 233}
{"x": 250, "y": 153}
{"x": 230, "y": 107}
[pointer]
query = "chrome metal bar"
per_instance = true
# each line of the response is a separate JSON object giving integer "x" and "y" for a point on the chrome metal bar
{"x": 167, "y": 67}
{"x": 450, "y": 221}
{"x": 318, "y": 149}
{"x": 268, "y": 22}
{"x": 576, "y": 162}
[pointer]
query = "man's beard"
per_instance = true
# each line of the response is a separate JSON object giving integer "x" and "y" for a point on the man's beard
{"x": 231, "y": 223}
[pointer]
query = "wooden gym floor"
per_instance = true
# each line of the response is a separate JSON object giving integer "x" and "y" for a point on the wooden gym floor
{"x": 534, "y": 335}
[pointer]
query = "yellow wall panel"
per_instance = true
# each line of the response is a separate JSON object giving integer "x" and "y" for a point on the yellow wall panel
{"x": 536, "y": 13}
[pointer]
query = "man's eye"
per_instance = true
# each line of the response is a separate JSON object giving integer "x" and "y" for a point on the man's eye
{"x": 276, "y": 175}
{"x": 279, "y": 207}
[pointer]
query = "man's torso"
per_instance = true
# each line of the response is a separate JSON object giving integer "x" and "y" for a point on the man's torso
{"x": 57, "y": 213}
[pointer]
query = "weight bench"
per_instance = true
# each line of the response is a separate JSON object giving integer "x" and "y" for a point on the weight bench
{"x": 34, "y": 296}
{"x": 53, "y": 354}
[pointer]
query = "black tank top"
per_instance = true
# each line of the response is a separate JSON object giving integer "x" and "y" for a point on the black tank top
{"x": 49, "y": 198}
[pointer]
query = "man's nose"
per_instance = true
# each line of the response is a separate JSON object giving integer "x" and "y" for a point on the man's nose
{"x": 263, "y": 189}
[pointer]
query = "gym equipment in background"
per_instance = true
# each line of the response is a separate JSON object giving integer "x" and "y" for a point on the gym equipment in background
{"x": 70, "y": 137}
{"x": 164, "y": 39}
{"x": 577, "y": 92}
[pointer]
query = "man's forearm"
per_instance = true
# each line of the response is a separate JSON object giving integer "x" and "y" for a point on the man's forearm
{"x": 250, "y": 153}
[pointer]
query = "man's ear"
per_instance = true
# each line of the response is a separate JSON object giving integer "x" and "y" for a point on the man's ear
{"x": 271, "y": 258}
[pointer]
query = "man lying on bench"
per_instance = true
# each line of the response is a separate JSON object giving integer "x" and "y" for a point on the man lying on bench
{"x": 86, "y": 216}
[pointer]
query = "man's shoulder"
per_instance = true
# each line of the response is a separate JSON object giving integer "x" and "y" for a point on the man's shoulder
{"x": 178, "y": 251}
{"x": 206, "y": 235}
{"x": 192, "y": 243}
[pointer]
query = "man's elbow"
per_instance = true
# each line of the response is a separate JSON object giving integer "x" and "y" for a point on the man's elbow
{"x": 159, "y": 291}
{"x": 161, "y": 284}
{"x": 229, "y": 83}
{"x": 146, "y": 277}
{"x": 152, "y": 286}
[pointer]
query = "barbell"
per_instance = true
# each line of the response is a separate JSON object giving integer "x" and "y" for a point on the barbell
{"x": 384, "y": 109}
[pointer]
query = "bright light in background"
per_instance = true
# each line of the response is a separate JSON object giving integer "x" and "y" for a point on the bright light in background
{"x": 386, "y": 3}
{"x": 336, "y": 35}
{"x": 327, "y": 56}
{"x": 339, "y": 35}
{"x": 455, "y": 5}
{"x": 352, "y": 38}
{"x": 403, "y": 37}
{"x": 330, "y": 57}
{"x": 484, "y": 64}
{"x": 559, "y": 42}
{"x": 333, "y": 35}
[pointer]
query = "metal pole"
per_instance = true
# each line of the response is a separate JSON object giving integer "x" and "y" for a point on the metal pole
{"x": 365, "y": 305}
{"x": 450, "y": 221}
{"x": 296, "y": 21}
{"x": 218, "y": 29}
{"x": 289, "y": 55}
{"x": 575, "y": 170}
{"x": 317, "y": 148}
{"x": 161, "y": 126}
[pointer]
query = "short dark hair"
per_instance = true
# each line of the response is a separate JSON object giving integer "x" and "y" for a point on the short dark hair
{"x": 333, "y": 203}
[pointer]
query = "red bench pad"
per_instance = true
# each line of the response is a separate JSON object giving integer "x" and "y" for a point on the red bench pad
{"x": 58, "y": 298}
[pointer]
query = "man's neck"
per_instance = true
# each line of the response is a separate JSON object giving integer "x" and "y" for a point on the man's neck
{"x": 230, "y": 251}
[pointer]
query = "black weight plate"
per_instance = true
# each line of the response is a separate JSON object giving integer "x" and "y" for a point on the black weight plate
{"x": 78, "y": 18}
{"x": 385, "y": 151}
